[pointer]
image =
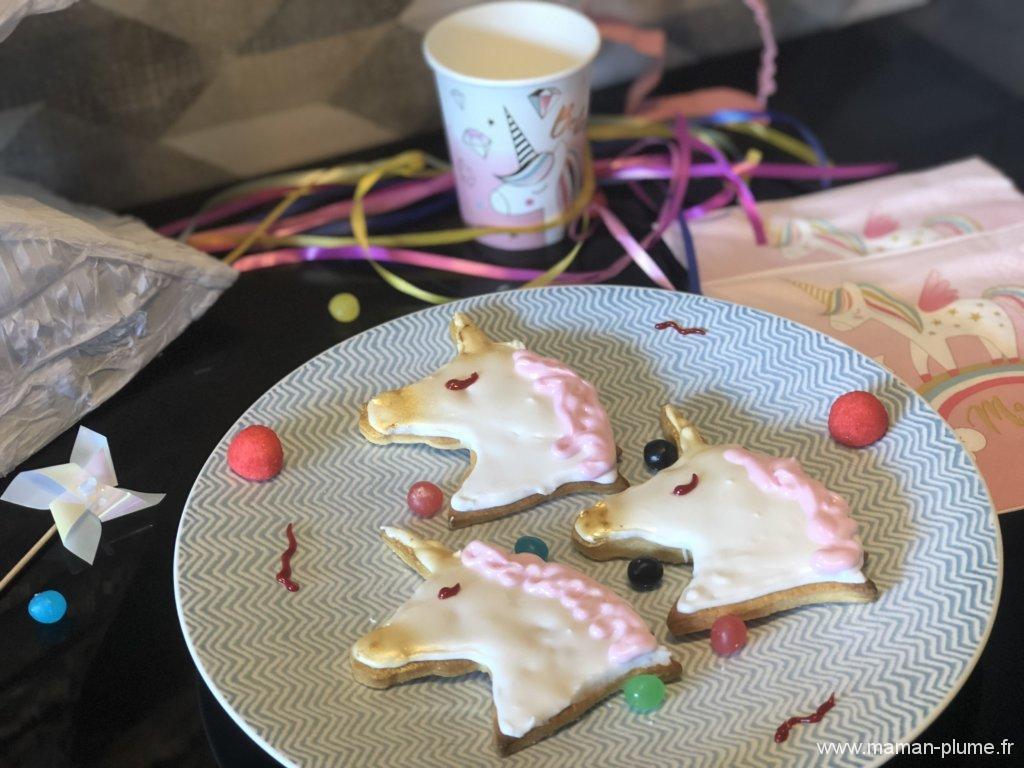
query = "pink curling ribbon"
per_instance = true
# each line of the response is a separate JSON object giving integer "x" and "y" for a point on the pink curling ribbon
{"x": 622, "y": 169}
{"x": 679, "y": 164}
{"x": 385, "y": 200}
{"x": 743, "y": 193}
{"x": 610, "y": 170}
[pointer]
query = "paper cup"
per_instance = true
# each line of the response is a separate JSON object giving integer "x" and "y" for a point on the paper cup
{"x": 514, "y": 83}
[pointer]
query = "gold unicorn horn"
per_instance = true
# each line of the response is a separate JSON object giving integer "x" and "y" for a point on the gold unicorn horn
{"x": 816, "y": 292}
{"x": 425, "y": 556}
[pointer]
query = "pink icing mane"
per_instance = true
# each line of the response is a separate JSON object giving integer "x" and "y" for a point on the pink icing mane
{"x": 828, "y": 516}
{"x": 577, "y": 408}
{"x": 608, "y": 615}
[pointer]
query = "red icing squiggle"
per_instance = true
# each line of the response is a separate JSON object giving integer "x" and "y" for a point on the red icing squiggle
{"x": 783, "y": 731}
{"x": 284, "y": 576}
{"x": 680, "y": 329}
{"x": 609, "y": 616}
{"x": 829, "y": 524}
{"x": 586, "y": 425}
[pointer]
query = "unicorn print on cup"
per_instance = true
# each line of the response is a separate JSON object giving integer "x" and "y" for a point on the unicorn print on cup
{"x": 544, "y": 183}
{"x": 554, "y": 642}
{"x": 534, "y": 427}
{"x": 761, "y": 534}
{"x": 996, "y": 319}
{"x": 798, "y": 238}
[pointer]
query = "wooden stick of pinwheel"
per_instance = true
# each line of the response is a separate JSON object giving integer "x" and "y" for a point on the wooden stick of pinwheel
{"x": 81, "y": 495}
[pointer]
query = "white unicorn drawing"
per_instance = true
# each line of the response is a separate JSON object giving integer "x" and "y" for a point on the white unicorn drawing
{"x": 554, "y": 642}
{"x": 996, "y": 319}
{"x": 547, "y": 182}
{"x": 797, "y": 237}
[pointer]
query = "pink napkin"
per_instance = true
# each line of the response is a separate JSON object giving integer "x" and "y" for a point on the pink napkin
{"x": 924, "y": 272}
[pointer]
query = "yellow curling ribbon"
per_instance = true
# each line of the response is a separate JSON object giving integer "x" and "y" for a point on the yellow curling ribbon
{"x": 404, "y": 286}
{"x": 308, "y": 180}
{"x": 615, "y": 129}
{"x": 409, "y": 164}
{"x": 716, "y": 139}
{"x": 348, "y": 173}
{"x": 239, "y": 250}
{"x": 777, "y": 139}
{"x": 417, "y": 164}
{"x": 459, "y": 235}
{"x": 563, "y": 264}
{"x": 607, "y": 128}
{"x": 750, "y": 161}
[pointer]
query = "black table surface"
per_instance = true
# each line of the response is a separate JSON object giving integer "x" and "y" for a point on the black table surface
{"x": 113, "y": 685}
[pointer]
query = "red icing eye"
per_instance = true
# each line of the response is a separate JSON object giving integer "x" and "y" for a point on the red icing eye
{"x": 682, "y": 490}
{"x": 445, "y": 592}
{"x": 462, "y": 383}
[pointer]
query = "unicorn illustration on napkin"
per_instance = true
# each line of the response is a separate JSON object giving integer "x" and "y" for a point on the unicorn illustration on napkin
{"x": 797, "y": 238}
{"x": 996, "y": 319}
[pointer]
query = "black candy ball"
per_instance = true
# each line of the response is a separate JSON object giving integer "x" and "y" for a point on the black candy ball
{"x": 659, "y": 454}
{"x": 644, "y": 573}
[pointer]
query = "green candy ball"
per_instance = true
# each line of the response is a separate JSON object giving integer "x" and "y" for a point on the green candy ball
{"x": 644, "y": 693}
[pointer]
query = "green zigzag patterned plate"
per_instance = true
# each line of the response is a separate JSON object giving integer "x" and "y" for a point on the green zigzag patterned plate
{"x": 278, "y": 661}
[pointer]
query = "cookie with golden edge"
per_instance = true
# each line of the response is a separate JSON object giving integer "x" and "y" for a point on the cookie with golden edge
{"x": 534, "y": 428}
{"x": 762, "y": 536}
{"x": 554, "y": 642}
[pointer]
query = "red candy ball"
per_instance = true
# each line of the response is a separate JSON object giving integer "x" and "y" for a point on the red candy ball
{"x": 728, "y": 635}
{"x": 857, "y": 419}
{"x": 255, "y": 453}
{"x": 424, "y": 499}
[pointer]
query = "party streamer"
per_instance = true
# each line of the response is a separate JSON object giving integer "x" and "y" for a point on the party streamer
{"x": 307, "y": 222}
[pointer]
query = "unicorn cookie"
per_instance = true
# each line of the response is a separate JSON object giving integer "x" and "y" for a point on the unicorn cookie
{"x": 762, "y": 536}
{"x": 554, "y": 642}
{"x": 535, "y": 429}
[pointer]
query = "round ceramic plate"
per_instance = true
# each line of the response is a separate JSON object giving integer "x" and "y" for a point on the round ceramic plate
{"x": 279, "y": 661}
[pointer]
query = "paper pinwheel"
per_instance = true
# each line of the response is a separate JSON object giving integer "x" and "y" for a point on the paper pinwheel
{"x": 81, "y": 494}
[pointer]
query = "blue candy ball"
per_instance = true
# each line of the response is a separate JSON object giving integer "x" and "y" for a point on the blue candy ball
{"x": 533, "y": 545}
{"x": 47, "y": 607}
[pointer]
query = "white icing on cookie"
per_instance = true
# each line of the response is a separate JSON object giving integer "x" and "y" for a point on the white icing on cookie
{"x": 745, "y": 541}
{"x": 532, "y": 424}
{"x": 546, "y": 634}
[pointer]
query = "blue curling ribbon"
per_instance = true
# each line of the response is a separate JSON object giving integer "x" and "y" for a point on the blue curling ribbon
{"x": 392, "y": 220}
{"x": 690, "y": 255}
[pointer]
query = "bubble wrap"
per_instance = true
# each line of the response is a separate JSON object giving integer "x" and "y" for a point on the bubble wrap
{"x": 13, "y": 11}
{"x": 87, "y": 298}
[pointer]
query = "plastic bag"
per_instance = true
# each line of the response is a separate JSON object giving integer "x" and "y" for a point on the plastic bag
{"x": 87, "y": 298}
{"x": 13, "y": 11}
